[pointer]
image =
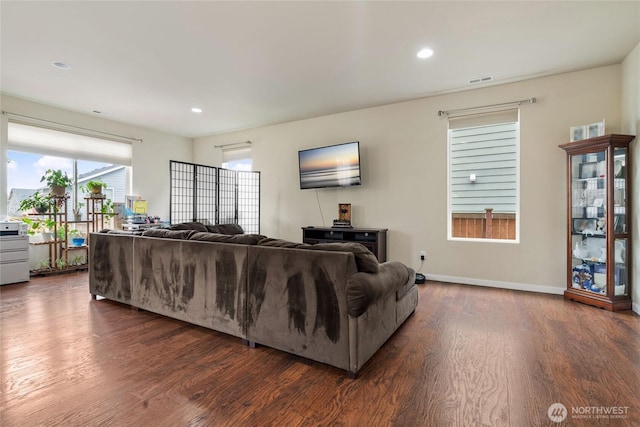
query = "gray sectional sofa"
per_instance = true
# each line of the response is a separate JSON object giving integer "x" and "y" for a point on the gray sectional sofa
{"x": 332, "y": 303}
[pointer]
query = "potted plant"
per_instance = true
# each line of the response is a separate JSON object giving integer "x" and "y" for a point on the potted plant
{"x": 77, "y": 239}
{"x": 107, "y": 209}
{"x": 60, "y": 232}
{"x": 33, "y": 225}
{"x": 57, "y": 181}
{"x": 42, "y": 226}
{"x": 94, "y": 186}
{"x": 37, "y": 201}
{"x": 44, "y": 265}
{"x": 77, "y": 212}
{"x": 61, "y": 263}
{"x": 46, "y": 229}
{"x": 77, "y": 260}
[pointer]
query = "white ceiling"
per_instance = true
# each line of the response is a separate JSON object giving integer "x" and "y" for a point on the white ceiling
{"x": 249, "y": 64}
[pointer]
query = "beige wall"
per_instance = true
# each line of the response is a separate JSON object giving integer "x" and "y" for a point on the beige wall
{"x": 404, "y": 163}
{"x": 404, "y": 171}
{"x": 631, "y": 125}
{"x": 150, "y": 171}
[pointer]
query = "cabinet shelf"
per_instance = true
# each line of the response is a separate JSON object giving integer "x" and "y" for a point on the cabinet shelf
{"x": 599, "y": 221}
{"x": 374, "y": 239}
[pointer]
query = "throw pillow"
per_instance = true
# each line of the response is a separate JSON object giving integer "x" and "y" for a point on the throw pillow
{"x": 241, "y": 239}
{"x": 197, "y": 226}
{"x": 224, "y": 229}
{"x": 279, "y": 243}
{"x": 168, "y": 234}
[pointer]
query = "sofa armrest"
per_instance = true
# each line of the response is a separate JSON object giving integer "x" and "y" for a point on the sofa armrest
{"x": 407, "y": 286}
{"x": 364, "y": 289}
{"x": 111, "y": 266}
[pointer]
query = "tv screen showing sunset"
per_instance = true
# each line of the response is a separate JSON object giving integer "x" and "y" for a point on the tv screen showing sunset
{"x": 336, "y": 165}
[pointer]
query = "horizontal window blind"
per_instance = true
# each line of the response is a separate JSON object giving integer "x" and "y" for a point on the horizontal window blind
{"x": 39, "y": 140}
{"x": 483, "y": 119}
{"x": 236, "y": 154}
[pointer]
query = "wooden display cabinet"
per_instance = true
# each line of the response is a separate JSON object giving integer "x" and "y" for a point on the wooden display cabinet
{"x": 599, "y": 221}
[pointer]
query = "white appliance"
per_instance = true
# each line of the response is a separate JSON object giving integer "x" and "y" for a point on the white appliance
{"x": 14, "y": 252}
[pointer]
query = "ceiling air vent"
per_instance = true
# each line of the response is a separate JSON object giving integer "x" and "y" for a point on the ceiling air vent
{"x": 480, "y": 80}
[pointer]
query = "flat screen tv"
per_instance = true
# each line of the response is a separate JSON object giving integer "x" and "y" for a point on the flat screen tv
{"x": 330, "y": 166}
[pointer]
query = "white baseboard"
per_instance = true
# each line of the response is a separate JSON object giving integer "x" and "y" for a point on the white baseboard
{"x": 494, "y": 284}
{"x": 635, "y": 307}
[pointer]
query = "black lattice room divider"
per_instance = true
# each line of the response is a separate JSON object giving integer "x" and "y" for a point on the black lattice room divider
{"x": 214, "y": 195}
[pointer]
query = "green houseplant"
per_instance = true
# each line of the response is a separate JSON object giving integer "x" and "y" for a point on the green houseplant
{"x": 57, "y": 181}
{"x": 94, "y": 186}
{"x": 108, "y": 209}
{"x": 44, "y": 265}
{"x": 37, "y": 201}
{"x": 43, "y": 226}
{"x": 33, "y": 225}
{"x": 77, "y": 239}
{"x": 77, "y": 212}
{"x": 48, "y": 226}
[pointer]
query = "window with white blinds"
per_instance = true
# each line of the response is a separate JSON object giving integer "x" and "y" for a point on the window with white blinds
{"x": 484, "y": 175}
{"x": 33, "y": 147}
{"x": 40, "y": 140}
{"x": 237, "y": 158}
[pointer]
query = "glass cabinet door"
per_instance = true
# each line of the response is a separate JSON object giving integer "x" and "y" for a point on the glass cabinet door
{"x": 620, "y": 226}
{"x": 588, "y": 221}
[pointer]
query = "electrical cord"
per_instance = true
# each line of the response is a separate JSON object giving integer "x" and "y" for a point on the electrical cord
{"x": 320, "y": 208}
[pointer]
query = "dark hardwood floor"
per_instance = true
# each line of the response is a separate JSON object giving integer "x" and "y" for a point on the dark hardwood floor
{"x": 470, "y": 356}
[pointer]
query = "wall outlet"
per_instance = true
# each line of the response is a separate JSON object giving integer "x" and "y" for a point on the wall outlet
{"x": 423, "y": 255}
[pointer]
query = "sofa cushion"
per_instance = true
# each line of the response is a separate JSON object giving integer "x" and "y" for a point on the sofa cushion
{"x": 241, "y": 239}
{"x": 366, "y": 261}
{"x": 279, "y": 243}
{"x": 197, "y": 226}
{"x": 224, "y": 229}
{"x": 168, "y": 234}
{"x": 364, "y": 289}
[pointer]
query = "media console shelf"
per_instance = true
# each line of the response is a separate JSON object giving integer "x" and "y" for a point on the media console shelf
{"x": 374, "y": 239}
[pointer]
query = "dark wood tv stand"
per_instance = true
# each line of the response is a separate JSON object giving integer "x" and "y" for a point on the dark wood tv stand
{"x": 374, "y": 239}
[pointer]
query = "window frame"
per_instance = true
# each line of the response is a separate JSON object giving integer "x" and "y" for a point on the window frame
{"x": 233, "y": 156}
{"x": 76, "y": 195}
{"x": 450, "y": 212}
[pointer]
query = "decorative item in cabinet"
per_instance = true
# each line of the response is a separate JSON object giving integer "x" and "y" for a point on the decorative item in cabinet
{"x": 599, "y": 221}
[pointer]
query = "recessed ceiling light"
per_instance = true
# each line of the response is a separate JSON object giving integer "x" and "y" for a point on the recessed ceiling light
{"x": 61, "y": 65}
{"x": 425, "y": 53}
{"x": 196, "y": 110}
